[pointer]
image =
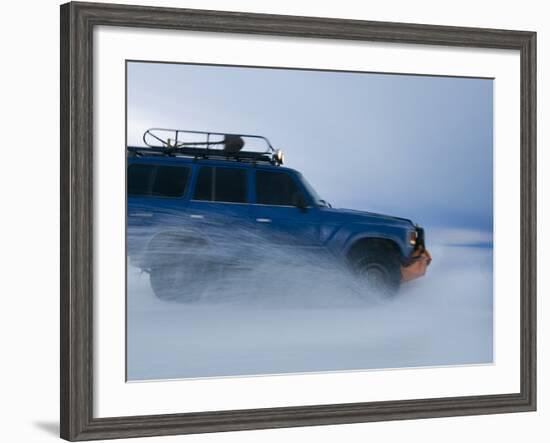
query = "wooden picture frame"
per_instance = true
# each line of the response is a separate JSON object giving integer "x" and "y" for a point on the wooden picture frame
{"x": 77, "y": 23}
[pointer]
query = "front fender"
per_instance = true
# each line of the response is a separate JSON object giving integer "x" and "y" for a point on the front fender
{"x": 351, "y": 233}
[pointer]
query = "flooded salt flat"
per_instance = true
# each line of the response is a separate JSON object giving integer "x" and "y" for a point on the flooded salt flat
{"x": 292, "y": 315}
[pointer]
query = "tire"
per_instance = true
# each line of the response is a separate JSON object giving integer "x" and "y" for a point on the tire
{"x": 175, "y": 280}
{"x": 377, "y": 266}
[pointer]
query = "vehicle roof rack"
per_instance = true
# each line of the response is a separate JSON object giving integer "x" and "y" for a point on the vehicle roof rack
{"x": 203, "y": 144}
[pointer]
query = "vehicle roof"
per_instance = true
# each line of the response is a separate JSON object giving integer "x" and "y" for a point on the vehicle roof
{"x": 164, "y": 159}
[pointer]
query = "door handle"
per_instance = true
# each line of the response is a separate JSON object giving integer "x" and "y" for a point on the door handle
{"x": 263, "y": 220}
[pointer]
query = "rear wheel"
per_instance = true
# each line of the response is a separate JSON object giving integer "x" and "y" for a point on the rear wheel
{"x": 176, "y": 280}
{"x": 377, "y": 266}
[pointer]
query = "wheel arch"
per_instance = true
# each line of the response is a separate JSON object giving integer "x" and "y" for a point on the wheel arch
{"x": 170, "y": 243}
{"x": 176, "y": 238}
{"x": 361, "y": 244}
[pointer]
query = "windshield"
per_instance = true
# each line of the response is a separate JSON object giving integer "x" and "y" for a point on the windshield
{"x": 313, "y": 193}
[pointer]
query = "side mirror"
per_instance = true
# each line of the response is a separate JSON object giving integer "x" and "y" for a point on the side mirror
{"x": 300, "y": 202}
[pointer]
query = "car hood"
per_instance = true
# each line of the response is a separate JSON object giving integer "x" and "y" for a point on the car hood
{"x": 372, "y": 217}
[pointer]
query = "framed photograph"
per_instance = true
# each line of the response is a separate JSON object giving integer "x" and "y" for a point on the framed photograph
{"x": 273, "y": 221}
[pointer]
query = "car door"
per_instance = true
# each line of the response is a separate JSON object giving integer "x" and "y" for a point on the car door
{"x": 220, "y": 209}
{"x": 282, "y": 210}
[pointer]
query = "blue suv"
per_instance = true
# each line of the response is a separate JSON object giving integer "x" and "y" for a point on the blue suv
{"x": 198, "y": 204}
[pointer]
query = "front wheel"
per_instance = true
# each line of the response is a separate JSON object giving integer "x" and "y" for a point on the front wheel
{"x": 378, "y": 269}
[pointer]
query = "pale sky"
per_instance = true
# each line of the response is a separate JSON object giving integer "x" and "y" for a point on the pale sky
{"x": 419, "y": 147}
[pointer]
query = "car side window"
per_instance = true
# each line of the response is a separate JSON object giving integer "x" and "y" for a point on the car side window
{"x": 276, "y": 188}
{"x": 157, "y": 180}
{"x": 220, "y": 184}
